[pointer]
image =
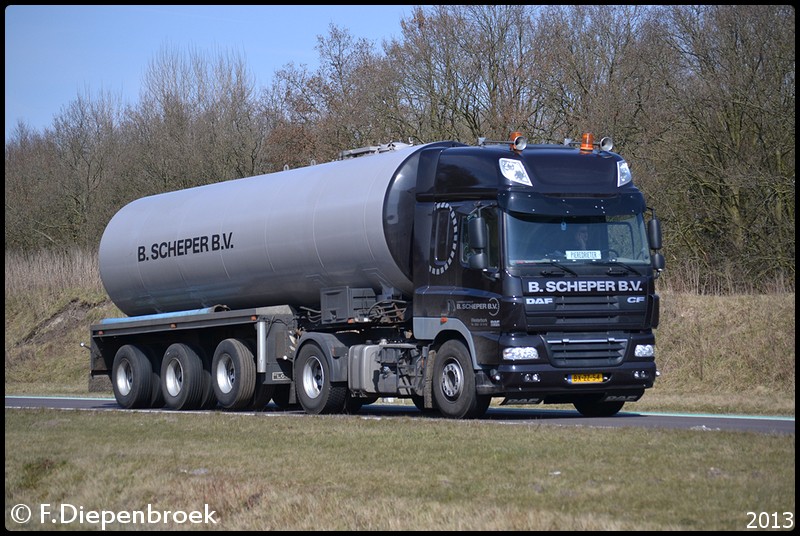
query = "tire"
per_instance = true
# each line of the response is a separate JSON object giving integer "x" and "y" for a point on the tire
{"x": 182, "y": 377}
{"x": 419, "y": 403}
{"x": 209, "y": 398}
{"x": 593, "y": 408}
{"x": 315, "y": 391}
{"x": 154, "y": 355}
{"x": 454, "y": 383}
{"x": 262, "y": 393}
{"x": 233, "y": 374}
{"x": 132, "y": 378}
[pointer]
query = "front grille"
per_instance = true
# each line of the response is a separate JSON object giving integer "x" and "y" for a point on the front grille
{"x": 572, "y": 351}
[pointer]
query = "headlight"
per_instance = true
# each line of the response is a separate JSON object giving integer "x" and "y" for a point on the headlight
{"x": 623, "y": 173}
{"x": 644, "y": 350}
{"x": 514, "y": 171}
{"x": 520, "y": 353}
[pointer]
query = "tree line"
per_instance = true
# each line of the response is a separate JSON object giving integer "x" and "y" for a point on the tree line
{"x": 699, "y": 99}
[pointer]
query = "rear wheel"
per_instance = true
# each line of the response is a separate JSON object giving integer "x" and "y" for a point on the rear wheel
{"x": 182, "y": 377}
{"x": 454, "y": 383}
{"x": 315, "y": 391}
{"x": 233, "y": 373}
{"x": 132, "y": 378}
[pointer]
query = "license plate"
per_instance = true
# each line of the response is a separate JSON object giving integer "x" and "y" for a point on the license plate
{"x": 586, "y": 378}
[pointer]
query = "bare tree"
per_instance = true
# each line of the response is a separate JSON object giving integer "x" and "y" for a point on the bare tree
{"x": 85, "y": 136}
{"x": 432, "y": 97}
{"x": 734, "y": 108}
{"x": 599, "y": 69}
{"x": 341, "y": 105}
{"x": 197, "y": 121}
{"x": 31, "y": 200}
{"x": 500, "y": 70}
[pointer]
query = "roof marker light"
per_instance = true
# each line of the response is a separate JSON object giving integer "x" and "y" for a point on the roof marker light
{"x": 587, "y": 142}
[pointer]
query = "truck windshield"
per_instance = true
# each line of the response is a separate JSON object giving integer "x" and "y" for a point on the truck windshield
{"x": 533, "y": 239}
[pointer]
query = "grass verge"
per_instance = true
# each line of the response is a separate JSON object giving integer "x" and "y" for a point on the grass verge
{"x": 296, "y": 472}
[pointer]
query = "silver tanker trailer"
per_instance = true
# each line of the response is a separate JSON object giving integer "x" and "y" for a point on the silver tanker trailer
{"x": 442, "y": 273}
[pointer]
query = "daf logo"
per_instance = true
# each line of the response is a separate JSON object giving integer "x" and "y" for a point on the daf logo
{"x": 538, "y": 301}
{"x": 635, "y": 299}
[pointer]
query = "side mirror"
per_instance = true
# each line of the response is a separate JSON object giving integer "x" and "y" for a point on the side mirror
{"x": 479, "y": 261}
{"x": 658, "y": 262}
{"x": 477, "y": 233}
{"x": 478, "y": 241}
{"x": 654, "y": 233}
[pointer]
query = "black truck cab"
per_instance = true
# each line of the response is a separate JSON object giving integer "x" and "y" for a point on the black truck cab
{"x": 544, "y": 317}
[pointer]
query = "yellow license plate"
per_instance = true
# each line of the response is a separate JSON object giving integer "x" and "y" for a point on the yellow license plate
{"x": 586, "y": 378}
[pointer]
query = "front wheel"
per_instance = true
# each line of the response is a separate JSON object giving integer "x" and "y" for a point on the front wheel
{"x": 454, "y": 383}
{"x": 314, "y": 389}
{"x": 591, "y": 408}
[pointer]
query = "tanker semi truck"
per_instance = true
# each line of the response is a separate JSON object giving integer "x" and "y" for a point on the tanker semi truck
{"x": 443, "y": 273}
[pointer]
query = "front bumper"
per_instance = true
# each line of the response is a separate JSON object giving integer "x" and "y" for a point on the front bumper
{"x": 541, "y": 382}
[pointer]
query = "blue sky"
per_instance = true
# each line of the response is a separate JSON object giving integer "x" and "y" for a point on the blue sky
{"x": 55, "y": 53}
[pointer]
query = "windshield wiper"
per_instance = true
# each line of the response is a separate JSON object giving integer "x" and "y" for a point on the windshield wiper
{"x": 620, "y": 263}
{"x": 561, "y": 266}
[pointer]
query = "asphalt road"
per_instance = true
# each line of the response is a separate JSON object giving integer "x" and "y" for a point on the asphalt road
{"x": 535, "y": 415}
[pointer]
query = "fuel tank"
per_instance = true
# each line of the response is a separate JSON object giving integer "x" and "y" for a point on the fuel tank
{"x": 272, "y": 239}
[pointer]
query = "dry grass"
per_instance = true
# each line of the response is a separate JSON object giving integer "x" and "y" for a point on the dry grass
{"x": 344, "y": 473}
{"x": 45, "y": 275}
{"x": 736, "y": 345}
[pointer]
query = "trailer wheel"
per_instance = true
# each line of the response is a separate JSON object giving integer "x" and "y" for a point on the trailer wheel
{"x": 132, "y": 378}
{"x": 315, "y": 391}
{"x": 454, "y": 383}
{"x": 154, "y": 356}
{"x": 182, "y": 377}
{"x": 209, "y": 398}
{"x": 233, "y": 373}
{"x": 592, "y": 408}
